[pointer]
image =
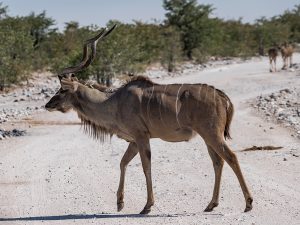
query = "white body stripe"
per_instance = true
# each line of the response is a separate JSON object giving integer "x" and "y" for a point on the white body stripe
{"x": 200, "y": 88}
{"x": 214, "y": 95}
{"x": 176, "y": 105}
{"x": 148, "y": 105}
{"x": 206, "y": 93}
{"x": 161, "y": 100}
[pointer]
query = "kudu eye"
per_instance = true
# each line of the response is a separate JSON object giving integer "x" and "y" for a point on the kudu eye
{"x": 63, "y": 91}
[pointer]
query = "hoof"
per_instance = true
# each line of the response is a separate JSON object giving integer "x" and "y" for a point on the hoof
{"x": 210, "y": 207}
{"x": 248, "y": 208}
{"x": 249, "y": 205}
{"x": 145, "y": 211}
{"x": 120, "y": 206}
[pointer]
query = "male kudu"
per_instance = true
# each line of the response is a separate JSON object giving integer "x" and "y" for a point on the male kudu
{"x": 142, "y": 109}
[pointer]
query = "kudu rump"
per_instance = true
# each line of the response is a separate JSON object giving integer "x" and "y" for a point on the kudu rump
{"x": 142, "y": 109}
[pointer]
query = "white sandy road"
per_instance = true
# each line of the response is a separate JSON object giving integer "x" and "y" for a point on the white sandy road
{"x": 57, "y": 175}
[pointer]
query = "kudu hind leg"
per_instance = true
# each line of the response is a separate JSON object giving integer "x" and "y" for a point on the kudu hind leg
{"x": 284, "y": 63}
{"x": 226, "y": 153}
{"x": 218, "y": 163}
{"x": 130, "y": 153}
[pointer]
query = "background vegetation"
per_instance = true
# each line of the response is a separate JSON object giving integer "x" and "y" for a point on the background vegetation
{"x": 189, "y": 32}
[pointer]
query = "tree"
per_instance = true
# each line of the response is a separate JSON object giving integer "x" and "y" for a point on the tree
{"x": 3, "y": 11}
{"x": 192, "y": 21}
{"x": 270, "y": 32}
{"x": 171, "y": 48}
{"x": 39, "y": 27}
{"x": 291, "y": 19}
{"x": 15, "y": 51}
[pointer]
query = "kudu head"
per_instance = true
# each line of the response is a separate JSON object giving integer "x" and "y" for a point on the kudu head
{"x": 285, "y": 45}
{"x": 64, "y": 97}
{"x": 277, "y": 46}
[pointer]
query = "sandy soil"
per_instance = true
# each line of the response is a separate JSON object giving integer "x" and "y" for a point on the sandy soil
{"x": 57, "y": 175}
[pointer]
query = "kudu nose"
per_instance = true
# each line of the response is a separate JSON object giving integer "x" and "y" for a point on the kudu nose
{"x": 47, "y": 106}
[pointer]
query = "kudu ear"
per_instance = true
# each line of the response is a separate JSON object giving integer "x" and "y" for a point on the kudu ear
{"x": 69, "y": 85}
{"x": 73, "y": 77}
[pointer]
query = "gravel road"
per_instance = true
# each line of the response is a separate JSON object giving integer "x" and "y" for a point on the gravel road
{"x": 57, "y": 175}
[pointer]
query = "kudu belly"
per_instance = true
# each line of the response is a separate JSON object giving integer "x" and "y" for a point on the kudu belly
{"x": 168, "y": 125}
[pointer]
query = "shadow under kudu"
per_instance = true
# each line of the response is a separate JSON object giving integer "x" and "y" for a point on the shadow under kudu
{"x": 84, "y": 216}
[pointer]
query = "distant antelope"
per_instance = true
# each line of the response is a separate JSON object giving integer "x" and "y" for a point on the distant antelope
{"x": 142, "y": 109}
{"x": 273, "y": 53}
{"x": 287, "y": 55}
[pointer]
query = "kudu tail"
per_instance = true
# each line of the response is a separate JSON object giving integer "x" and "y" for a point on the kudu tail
{"x": 229, "y": 114}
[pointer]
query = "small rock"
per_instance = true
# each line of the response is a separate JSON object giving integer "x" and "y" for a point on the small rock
{"x": 285, "y": 90}
{"x": 284, "y": 159}
{"x": 273, "y": 96}
{"x": 268, "y": 99}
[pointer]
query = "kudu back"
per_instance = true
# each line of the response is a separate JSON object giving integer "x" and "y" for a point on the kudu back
{"x": 141, "y": 110}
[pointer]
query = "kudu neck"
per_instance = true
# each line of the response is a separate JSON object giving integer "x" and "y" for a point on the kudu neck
{"x": 90, "y": 95}
{"x": 92, "y": 104}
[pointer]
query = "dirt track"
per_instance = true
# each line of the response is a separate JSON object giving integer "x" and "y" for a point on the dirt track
{"x": 57, "y": 175}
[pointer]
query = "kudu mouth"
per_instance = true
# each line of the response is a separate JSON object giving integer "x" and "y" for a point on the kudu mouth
{"x": 52, "y": 109}
{"x": 49, "y": 108}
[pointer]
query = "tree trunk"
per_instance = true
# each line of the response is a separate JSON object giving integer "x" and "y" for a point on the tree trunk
{"x": 98, "y": 76}
{"x": 261, "y": 46}
{"x": 108, "y": 81}
{"x": 189, "y": 54}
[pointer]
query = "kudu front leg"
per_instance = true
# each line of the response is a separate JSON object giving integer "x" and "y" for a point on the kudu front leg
{"x": 145, "y": 154}
{"x": 291, "y": 61}
{"x": 271, "y": 65}
{"x": 127, "y": 157}
{"x": 284, "y": 63}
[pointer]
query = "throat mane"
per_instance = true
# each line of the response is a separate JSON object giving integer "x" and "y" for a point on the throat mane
{"x": 96, "y": 131}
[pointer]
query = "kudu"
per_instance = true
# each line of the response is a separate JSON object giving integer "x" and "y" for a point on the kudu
{"x": 273, "y": 53}
{"x": 142, "y": 109}
{"x": 287, "y": 51}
